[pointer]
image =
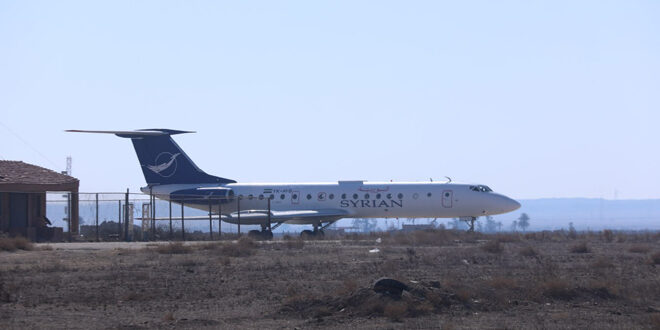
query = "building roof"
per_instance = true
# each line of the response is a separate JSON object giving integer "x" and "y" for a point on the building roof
{"x": 17, "y": 173}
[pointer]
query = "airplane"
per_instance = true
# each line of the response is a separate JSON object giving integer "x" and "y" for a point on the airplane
{"x": 171, "y": 175}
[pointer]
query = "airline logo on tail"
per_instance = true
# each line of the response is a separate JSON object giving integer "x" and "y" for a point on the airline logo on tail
{"x": 165, "y": 164}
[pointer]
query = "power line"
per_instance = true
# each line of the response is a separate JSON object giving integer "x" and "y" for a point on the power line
{"x": 28, "y": 144}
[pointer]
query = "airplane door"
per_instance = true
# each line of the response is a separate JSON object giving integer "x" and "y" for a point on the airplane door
{"x": 447, "y": 198}
{"x": 295, "y": 197}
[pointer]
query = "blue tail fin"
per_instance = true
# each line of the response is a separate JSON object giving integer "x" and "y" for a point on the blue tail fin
{"x": 162, "y": 160}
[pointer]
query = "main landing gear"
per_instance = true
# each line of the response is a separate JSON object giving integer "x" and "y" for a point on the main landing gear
{"x": 265, "y": 234}
{"x": 316, "y": 233}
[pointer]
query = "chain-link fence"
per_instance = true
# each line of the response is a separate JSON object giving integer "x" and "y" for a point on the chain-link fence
{"x": 141, "y": 217}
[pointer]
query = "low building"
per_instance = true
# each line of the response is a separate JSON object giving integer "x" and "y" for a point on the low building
{"x": 23, "y": 190}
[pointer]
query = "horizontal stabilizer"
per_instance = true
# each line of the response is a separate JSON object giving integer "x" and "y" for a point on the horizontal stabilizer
{"x": 136, "y": 133}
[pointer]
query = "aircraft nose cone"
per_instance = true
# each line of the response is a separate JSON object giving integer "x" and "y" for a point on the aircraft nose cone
{"x": 512, "y": 204}
{"x": 503, "y": 204}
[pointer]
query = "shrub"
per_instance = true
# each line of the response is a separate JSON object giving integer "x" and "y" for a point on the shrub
{"x": 608, "y": 235}
{"x": 395, "y": 310}
{"x": 15, "y": 243}
{"x": 557, "y": 289}
{"x": 580, "y": 248}
{"x": 245, "y": 247}
{"x": 655, "y": 258}
{"x": 294, "y": 244}
{"x": 493, "y": 247}
{"x": 528, "y": 251}
{"x": 173, "y": 248}
{"x": 602, "y": 262}
{"x": 639, "y": 249}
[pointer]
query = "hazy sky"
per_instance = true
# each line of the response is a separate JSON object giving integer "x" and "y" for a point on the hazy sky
{"x": 535, "y": 99}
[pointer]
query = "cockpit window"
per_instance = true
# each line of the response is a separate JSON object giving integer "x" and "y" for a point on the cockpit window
{"x": 481, "y": 188}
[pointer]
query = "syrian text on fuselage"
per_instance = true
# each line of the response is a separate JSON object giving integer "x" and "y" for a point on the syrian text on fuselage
{"x": 371, "y": 203}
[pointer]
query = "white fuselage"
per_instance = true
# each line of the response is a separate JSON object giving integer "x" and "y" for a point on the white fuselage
{"x": 357, "y": 198}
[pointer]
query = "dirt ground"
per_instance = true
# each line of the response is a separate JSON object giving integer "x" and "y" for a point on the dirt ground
{"x": 555, "y": 280}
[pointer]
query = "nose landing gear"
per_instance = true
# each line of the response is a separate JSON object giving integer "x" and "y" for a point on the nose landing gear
{"x": 470, "y": 221}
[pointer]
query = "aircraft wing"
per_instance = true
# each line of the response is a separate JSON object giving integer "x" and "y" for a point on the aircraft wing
{"x": 293, "y": 216}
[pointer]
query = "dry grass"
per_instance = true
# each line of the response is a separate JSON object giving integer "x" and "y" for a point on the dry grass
{"x": 449, "y": 274}
{"x": 11, "y": 244}
{"x": 581, "y": 247}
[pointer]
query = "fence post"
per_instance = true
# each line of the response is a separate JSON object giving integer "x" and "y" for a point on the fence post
{"x": 97, "y": 217}
{"x": 238, "y": 208}
{"x": 119, "y": 221}
{"x": 269, "y": 229}
{"x": 219, "y": 218}
{"x": 171, "y": 231}
{"x": 126, "y": 216}
{"x": 210, "y": 220}
{"x": 183, "y": 226}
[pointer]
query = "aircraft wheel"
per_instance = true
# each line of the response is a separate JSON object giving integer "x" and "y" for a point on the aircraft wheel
{"x": 267, "y": 235}
{"x": 320, "y": 233}
{"x": 307, "y": 234}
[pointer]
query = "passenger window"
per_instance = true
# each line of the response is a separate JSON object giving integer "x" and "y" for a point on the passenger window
{"x": 261, "y": 197}
{"x": 389, "y": 196}
{"x": 366, "y": 196}
{"x": 355, "y": 196}
{"x": 282, "y": 196}
{"x": 400, "y": 195}
{"x": 331, "y": 196}
{"x": 271, "y": 196}
{"x": 428, "y": 195}
{"x": 377, "y": 196}
{"x": 309, "y": 196}
{"x": 294, "y": 196}
{"x": 343, "y": 196}
{"x": 415, "y": 195}
{"x": 250, "y": 197}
